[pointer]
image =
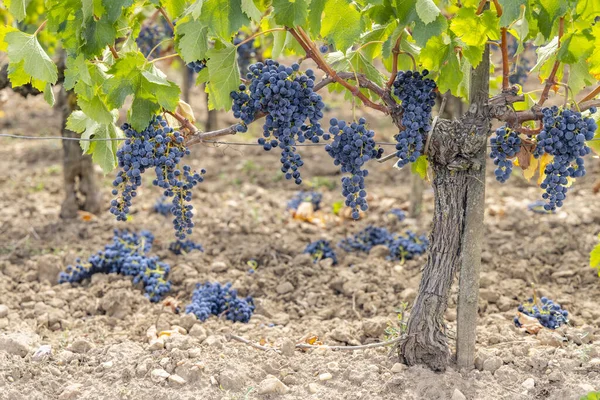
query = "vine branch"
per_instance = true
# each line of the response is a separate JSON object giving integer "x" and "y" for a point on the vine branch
{"x": 591, "y": 95}
{"x": 504, "y": 50}
{"x": 395, "y": 52}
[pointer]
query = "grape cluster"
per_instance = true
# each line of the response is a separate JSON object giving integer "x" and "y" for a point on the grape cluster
{"x": 563, "y": 136}
{"x": 245, "y": 52}
{"x": 353, "y": 145}
{"x": 550, "y": 314}
{"x": 401, "y": 247}
{"x": 126, "y": 255}
{"x": 197, "y": 66}
{"x": 417, "y": 96}
{"x": 398, "y": 213}
{"x": 161, "y": 148}
{"x": 292, "y": 108}
{"x": 162, "y": 207}
{"x": 505, "y": 143}
{"x": 320, "y": 250}
{"x": 302, "y": 196}
{"x": 184, "y": 246}
{"x": 213, "y": 299}
{"x": 151, "y": 35}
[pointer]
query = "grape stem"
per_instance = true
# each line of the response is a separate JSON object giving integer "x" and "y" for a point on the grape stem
{"x": 249, "y": 38}
{"x": 395, "y": 52}
{"x": 552, "y": 76}
{"x": 591, "y": 95}
{"x": 40, "y": 28}
{"x": 114, "y": 51}
{"x": 185, "y": 123}
{"x": 482, "y": 4}
{"x": 312, "y": 52}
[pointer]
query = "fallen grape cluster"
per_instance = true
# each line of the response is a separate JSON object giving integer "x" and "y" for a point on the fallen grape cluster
{"x": 353, "y": 145}
{"x": 417, "y": 96}
{"x": 184, "y": 246}
{"x": 126, "y": 255}
{"x": 162, "y": 206}
{"x": 161, "y": 148}
{"x": 398, "y": 213}
{"x": 548, "y": 313}
{"x": 320, "y": 250}
{"x": 401, "y": 247}
{"x": 505, "y": 144}
{"x": 302, "y": 196}
{"x": 563, "y": 136}
{"x": 214, "y": 299}
{"x": 293, "y": 110}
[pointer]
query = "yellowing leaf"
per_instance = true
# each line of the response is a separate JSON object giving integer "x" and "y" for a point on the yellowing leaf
{"x": 529, "y": 172}
{"x": 545, "y": 159}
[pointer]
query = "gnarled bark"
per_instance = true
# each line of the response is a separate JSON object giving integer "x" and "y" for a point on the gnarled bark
{"x": 456, "y": 154}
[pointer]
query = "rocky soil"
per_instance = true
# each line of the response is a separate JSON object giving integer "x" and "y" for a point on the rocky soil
{"x": 100, "y": 339}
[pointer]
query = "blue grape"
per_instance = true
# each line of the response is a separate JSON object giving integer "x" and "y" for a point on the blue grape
{"x": 293, "y": 110}
{"x": 161, "y": 148}
{"x": 197, "y": 66}
{"x": 320, "y": 250}
{"x": 564, "y": 134}
{"x": 417, "y": 96}
{"x": 324, "y": 48}
{"x": 126, "y": 255}
{"x": 353, "y": 145}
{"x": 302, "y": 196}
{"x": 162, "y": 207}
{"x": 213, "y": 299}
{"x": 398, "y": 213}
{"x": 505, "y": 144}
{"x": 245, "y": 52}
{"x": 401, "y": 247}
{"x": 548, "y": 313}
{"x": 180, "y": 247}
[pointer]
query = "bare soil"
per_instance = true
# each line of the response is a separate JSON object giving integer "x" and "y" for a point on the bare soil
{"x": 97, "y": 330}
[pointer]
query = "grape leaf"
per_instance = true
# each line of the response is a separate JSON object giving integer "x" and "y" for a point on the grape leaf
{"x": 423, "y": 32}
{"x": 4, "y": 29}
{"x": 279, "y": 38}
{"x": 250, "y": 9}
{"x": 196, "y": 9}
{"x": 427, "y": 11}
{"x": 474, "y": 29}
{"x": 29, "y": 61}
{"x": 575, "y": 46}
{"x": 377, "y": 34}
{"x": 511, "y": 10}
{"x": 224, "y": 76}
{"x": 544, "y": 53}
{"x": 290, "y": 13}
{"x": 174, "y": 7}
{"x": 114, "y": 8}
{"x": 314, "y": 16}
{"x": 341, "y": 23}
{"x": 419, "y": 167}
{"x": 361, "y": 64}
{"x": 544, "y": 160}
{"x": 97, "y": 34}
{"x": 405, "y": 11}
{"x": 595, "y": 258}
{"x": 223, "y": 17}
{"x": 191, "y": 37}
{"x": 49, "y": 94}
{"x": 579, "y": 76}
{"x": 18, "y": 8}
{"x": 594, "y": 58}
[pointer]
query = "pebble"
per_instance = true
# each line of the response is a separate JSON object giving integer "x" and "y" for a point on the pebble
{"x": 198, "y": 332}
{"x": 333, "y": 367}
{"x": 374, "y": 327}
{"x": 214, "y": 341}
{"x": 176, "y": 380}
{"x": 42, "y": 353}
{"x": 458, "y": 395}
{"x": 187, "y": 321}
{"x": 218, "y": 266}
{"x": 71, "y": 392}
{"x": 284, "y": 287}
{"x": 398, "y": 367}
{"x": 159, "y": 375}
{"x": 80, "y": 346}
{"x": 15, "y": 343}
{"x": 3, "y": 311}
{"x": 325, "y": 376}
{"x": 313, "y": 388}
{"x": 164, "y": 362}
{"x": 528, "y": 383}
{"x": 179, "y": 329}
{"x": 288, "y": 347}
{"x": 195, "y": 352}
{"x": 492, "y": 364}
{"x": 107, "y": 365}
{"x": 230, "y": 380}
{"x": 272, "y": 385}
{"x": 157, "y": 344}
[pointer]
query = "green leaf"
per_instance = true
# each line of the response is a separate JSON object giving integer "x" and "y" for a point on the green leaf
{"x": 174, "y": 7}
{"x": 76, "y": 70}
{"x": 196, "y": 9}
{"x": 475, "y": 30}
{"x": 250, "y": 9}
{"x": 314, "y": 16}
{"x": 290, "y": 12}
{"x": 223, "y": 17}
{"x": 579, "y": 76}
{"x": 511, "y": 10}
{"x": 450, "y": 75}
{"x": 18, "y": 8}
{"x": 192, "y": 40}
{"x": 595, "y": 258}
{"x": 464, "y": 87}
{"x": 377, "y": 34}
{"x": 405, "y": 11}
{"x": 419, "y": 167}
{"x": 544, "y": 53}
{"x": 95, "y": 109}
{"x": 423, "y": 32}
{"x": 114, "y": 8}
{"x": 473, "y": 53}
{"x": 97, "y": 34}
{"x": 103, "y": 154}
{"x": 224, "y": 76}
{"x": 77, "y": 121}
{"x": 554, "y": 8}
{"x": 279, "y": 38}
{"x": 341, "y": 23}
{"x": 49, "y": 94}
{"x": 363, "y": 65}
{"x": 28, "y": 61}
{"x": 427, "y": 11}
{"x": 575, "y": 47}
{"x": 141, "y": 112}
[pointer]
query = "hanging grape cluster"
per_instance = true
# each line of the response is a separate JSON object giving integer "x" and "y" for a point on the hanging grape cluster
{"x": 161, "y": 148}
{"x": 505, "y": 144}
{"x": 563, "y": 136}
{"x": 417, "y": 96}
{"x": 353, "y": 145}
{"x": 293, "y": 110}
